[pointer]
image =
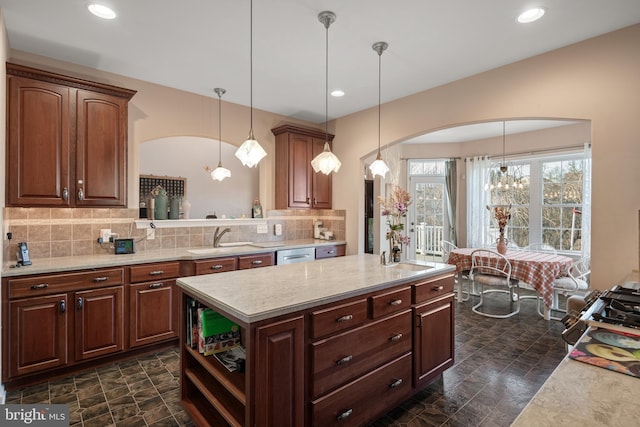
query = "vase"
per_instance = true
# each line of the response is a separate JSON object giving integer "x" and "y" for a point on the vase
{"x": 501, "y": 245}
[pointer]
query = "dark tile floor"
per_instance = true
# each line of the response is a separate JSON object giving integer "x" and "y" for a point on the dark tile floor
{"x": 500, "y": 364}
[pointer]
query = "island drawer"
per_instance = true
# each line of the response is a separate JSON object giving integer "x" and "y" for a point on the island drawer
{"x": 338, "y": 318}
{"x": 216, "y": 265}
{"x": 341, "y": 358}
{"x": 390, "y": 302}
{"x": 55, "y": 283}
{"x": 256, "y": 260}
{"x": 355, "y": 404}
{"x": 330, "y": 251}
{"x": 155, "y": 271}
{"x": 432, "y": 288}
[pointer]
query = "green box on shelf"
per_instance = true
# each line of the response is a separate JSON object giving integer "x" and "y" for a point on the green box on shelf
{"x": 217, "y": 333}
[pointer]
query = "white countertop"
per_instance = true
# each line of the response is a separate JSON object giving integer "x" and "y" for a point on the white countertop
{"x": 579, "y": 394}
{"x": 82, "y": 262}
{"x": 263, "y": 293}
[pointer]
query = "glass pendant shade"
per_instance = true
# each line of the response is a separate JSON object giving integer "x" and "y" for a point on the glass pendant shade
{"x": 326, "y": 162}
{"x": 379, "y": 167}
{"x": 220, "y": 173}
{"x": 250, "y": 152}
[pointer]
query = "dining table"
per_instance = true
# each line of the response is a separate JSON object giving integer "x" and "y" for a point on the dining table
{"x": 538, "y": 269}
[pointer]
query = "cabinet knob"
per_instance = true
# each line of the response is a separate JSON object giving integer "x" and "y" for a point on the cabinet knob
{"x": 80, "y": 194}
{"x": 40, "y": 286}
{"x": 344, "y": 318}
{"x": 156, "y": 285}
{"x": 395, "y": 302}
{"x": 63, "y": 306}
{"x": 101, "y": 279}
{"x": 396, "y": 383}
{"x": 80, "y": 301}
{"x": 344, "y": 360}
{"x": 396, "y": 337}
{"x": 438, "y": 288}
{"x": 65, "y": 193}
{"x": 346, "y": 414}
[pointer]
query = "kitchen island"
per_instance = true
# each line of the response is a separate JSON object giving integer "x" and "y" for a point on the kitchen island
{"x": 321, "y": 338}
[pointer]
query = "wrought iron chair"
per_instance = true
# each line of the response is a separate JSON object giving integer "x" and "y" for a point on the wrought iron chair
{"x": 460, "y": 278}
{"x": 576, "y": 282}
{"x": 489, "y": 268}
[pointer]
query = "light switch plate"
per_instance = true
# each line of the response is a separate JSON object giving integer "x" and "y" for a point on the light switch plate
{"x": 105, "y": 233}
{"x": 262, "y": 229}
{"x": 277, "y": 229}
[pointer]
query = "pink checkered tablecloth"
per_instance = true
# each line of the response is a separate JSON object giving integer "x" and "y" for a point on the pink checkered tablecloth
{"x": 537, "y": 269}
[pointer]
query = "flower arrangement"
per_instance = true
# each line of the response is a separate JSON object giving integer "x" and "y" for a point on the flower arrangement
{"x": 502, "y": 214}
{"x": 395, "y": 209}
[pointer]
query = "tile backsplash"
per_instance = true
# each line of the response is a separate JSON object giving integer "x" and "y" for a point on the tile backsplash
{"x": 56, "y": 232}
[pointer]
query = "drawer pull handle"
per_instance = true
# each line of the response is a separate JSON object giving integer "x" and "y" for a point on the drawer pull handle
{"x": 101, "y": 279}
{"x": 80, "y": 303}
{"x": 63, "y": 306}
{"x": 345, "y": 318}
{"x": 256, "y": 262}
{"x": 438, "y": 288}
{"x": 396, "y": 337}
{"x": 216, "y": 267}
{"x": 344, "y": 360}
{"x": 156, "y": 285}
{"x": 331, "y": 252}
{"x": 395, "y": 302}
{"x": 40, "y": 286}
{"x": 65, "y": 193}
{"x": 396, "y": 383}
{"x": 346, "y": 414}
{"x": 156, "y": 273}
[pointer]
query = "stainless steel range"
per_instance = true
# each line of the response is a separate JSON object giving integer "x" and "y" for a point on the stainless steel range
{"x": 617, "y": 309}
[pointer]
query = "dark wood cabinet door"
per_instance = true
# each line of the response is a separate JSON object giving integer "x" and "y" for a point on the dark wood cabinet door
{"x": 300, "y": 171}
{"x": 153, "y": 312}
{"x": 321, "y": 183}
{"x": 39, "y": 328}
{"x": 100, "y": 150}
{"x": 38, "y": 142}
{"x": 433, "y": 339}
{"x": 99, "y": 322}
{"x": 279, "y": 374}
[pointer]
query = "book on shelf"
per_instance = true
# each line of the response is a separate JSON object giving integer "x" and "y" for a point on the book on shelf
{"x": 192, "y": 322}
{"x": 233, "y": 359}
{"x": 215, "y": 332}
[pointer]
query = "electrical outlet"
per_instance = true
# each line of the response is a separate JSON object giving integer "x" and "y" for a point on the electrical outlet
{"x": 262, "y": 229}
{"x": 105, "y": 233}
{"x": 277, "y": 229}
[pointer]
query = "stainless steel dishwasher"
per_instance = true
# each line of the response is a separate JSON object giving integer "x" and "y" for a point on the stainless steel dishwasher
{"x": 290, "y": 256}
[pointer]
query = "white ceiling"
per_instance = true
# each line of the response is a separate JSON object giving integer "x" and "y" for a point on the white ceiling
{"x": 196, "y": 45}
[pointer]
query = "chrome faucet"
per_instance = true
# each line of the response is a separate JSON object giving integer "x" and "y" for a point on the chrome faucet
{"x": 217, "y": 235}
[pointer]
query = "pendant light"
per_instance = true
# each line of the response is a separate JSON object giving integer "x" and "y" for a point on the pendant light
{"x": 379, "y": 167}
{"x": 250, "y": 152}
{"x": 220, "y": 173}
{"x": 326, "y": 162}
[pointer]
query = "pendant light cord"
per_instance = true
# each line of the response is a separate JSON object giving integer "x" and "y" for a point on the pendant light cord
{"x": 251, "y": 63}
{"x": 379, "y": 95}
{"x": 326, "y": 80}
{"x": 219, "y": 128}
{"x": 503, "y": 143}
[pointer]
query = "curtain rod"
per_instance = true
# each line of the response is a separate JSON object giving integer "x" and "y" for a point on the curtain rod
{"x": 430, "y": 158}
{"x": 541, "y": 150}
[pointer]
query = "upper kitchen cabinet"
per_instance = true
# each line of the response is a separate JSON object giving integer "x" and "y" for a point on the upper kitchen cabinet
{"x": 66, "y": 140}
{"x": 297, "y": 184}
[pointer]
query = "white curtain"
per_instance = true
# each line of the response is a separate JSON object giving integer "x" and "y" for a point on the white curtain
{"x": 586, "y": 201}
{"x": 477, "y": 201}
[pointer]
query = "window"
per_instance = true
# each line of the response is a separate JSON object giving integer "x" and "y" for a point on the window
{"x": 547, "y": 205}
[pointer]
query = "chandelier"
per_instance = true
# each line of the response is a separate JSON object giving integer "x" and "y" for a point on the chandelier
{"x": 504, "y": 179}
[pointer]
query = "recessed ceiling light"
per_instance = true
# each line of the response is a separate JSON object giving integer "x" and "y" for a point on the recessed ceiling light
{"x": 531, "y": 15}
{"x": 337, "y": 93}
{"x": 101, "y": 11}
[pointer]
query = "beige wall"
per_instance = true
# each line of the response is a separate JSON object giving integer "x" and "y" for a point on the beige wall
{"x": 596, "y": 80}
